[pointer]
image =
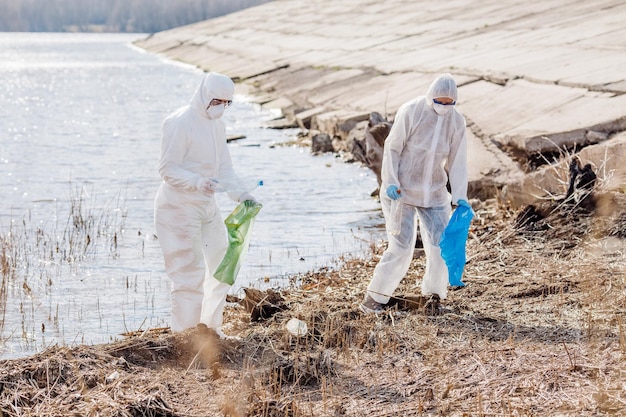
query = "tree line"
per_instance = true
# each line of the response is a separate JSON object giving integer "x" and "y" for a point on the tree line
{"x": 137, "y": 16}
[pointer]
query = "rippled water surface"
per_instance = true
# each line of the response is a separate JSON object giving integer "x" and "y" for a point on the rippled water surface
{"x": 80, "y": 120}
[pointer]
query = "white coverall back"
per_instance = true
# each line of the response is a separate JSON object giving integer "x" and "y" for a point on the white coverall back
{"x": 189, "y": 226}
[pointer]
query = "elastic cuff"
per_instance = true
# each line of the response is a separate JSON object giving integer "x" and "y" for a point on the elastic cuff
{"x": 199, "y": 183}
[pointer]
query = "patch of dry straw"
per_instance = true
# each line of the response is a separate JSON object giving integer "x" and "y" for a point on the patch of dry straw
{"x": 538, "y": 330}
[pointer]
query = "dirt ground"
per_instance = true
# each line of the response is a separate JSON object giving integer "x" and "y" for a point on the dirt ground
{"x": 536, "y": 331}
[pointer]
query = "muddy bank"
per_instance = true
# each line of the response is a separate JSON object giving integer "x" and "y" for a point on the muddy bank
{"x": 538, "y": 330}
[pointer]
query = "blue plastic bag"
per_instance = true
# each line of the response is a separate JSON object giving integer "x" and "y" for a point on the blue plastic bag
{"x": 453, "y": 242}
{"x": 238, "y": 225}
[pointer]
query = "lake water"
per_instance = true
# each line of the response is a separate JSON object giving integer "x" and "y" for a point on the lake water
{"x": 80, "y": 119}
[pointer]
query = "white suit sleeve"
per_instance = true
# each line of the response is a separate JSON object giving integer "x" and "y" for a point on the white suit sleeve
{"x": 457, "y": 165}
{"x": 394, "y": 144}
{"x": 173, "y": 150}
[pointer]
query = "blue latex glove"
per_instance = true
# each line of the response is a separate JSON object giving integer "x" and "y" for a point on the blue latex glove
{"x": 393, "y": 192}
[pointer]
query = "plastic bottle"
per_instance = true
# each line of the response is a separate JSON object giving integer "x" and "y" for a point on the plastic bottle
{"x": 236, "y": 184}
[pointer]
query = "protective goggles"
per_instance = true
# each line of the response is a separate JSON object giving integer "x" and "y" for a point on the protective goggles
{"x": 443, "y": 104}
{"x": 218, "y": 101}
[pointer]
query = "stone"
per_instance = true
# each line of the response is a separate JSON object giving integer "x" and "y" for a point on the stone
{"x": 303, "y": 118}
{"x": 321, "y": 143}
{"x": 375, "y": 135}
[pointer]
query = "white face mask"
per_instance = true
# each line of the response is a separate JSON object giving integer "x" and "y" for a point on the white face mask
{"x": 441, "y": 109}
{"x": 215, "y": 112}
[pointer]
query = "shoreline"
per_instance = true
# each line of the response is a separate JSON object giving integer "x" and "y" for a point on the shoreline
{"x": 531, "y": 333}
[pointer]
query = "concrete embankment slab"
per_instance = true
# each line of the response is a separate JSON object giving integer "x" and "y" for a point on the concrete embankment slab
{"x": 551, "y": 182}
{"x": 533, "y": 76}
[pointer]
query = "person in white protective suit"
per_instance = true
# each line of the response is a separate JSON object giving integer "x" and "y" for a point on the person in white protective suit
{"x": 426, "y": 148}
{"x": 189, "y": 226}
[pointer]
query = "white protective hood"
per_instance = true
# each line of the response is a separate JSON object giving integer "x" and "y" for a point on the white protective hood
{"x": 213, "y": 85}
{"x": 442, "y": 86}
{"x": 424, "y": 150}
{"x": 193, "y": 146}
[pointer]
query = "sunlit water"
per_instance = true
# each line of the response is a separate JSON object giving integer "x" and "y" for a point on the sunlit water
{"x": 80, "y": 119}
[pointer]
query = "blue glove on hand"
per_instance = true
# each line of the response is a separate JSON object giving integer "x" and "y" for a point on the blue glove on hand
{"x": 463, "y": 203}
{"x": 393, "y": 192}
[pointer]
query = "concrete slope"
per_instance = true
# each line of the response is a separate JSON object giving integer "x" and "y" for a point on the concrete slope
{"x": 534, "y": 76}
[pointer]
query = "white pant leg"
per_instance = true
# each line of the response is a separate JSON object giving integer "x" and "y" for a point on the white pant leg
{"x": 396, "y": 259}
{"x": 178, "y": 228}
{"x": 192, "y": 236}
{"x": 433, "y": 222}
{"x": 215, "y": 239}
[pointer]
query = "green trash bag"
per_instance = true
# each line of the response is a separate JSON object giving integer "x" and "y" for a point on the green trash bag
{"x": 238, "y": 225}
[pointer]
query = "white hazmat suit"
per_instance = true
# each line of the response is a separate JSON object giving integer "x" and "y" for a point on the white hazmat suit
{"x": 189, "y": 226}
{"x": 426, "y": 148}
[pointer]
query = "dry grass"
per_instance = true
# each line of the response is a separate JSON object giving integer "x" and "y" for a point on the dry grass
{"x": 33, "y": 254}
{"x": 538, "y": 330}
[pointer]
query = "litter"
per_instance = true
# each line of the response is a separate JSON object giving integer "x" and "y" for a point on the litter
{"x": 297, "y": 327}
{"x": 236, "y": 184}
